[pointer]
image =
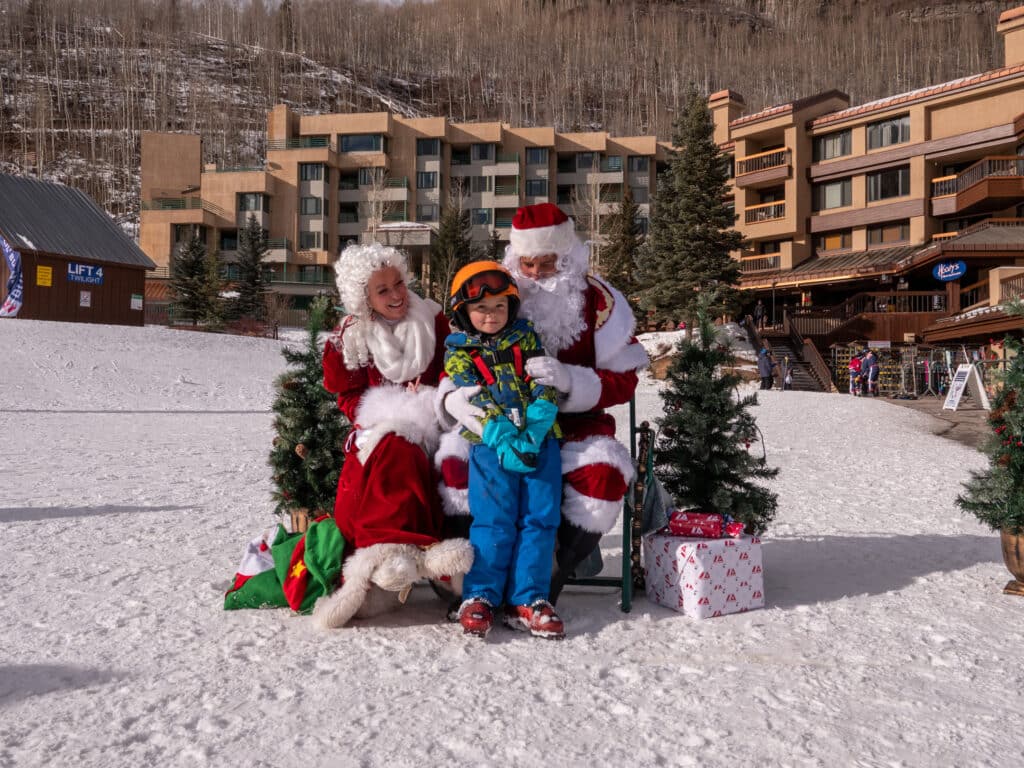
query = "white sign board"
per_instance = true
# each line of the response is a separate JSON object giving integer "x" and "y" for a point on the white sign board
{"x": 964, "y": 373}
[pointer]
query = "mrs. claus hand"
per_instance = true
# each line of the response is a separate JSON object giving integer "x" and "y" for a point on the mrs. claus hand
{"x": 550, "y": 372}
{"x": 458, "y": 405}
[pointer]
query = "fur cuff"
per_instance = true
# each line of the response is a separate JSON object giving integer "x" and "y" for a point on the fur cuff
{"x": 451, "y": 557}
{"x": 584, "y": 390}
{"x": 588, "y": 513}
{"x": 598, "y": 450}
{"x": 336, "y": 609}
{"x": 392, "y": 408}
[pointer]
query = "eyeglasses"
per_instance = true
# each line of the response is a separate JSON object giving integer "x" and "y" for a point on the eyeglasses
{"x": 474, "y": 287}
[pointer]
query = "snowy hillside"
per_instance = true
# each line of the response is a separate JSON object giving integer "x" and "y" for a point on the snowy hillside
{"x": 134, "y": 472}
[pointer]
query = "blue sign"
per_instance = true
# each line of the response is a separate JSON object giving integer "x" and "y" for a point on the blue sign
{"x": 949, "y": 270}
{"x": 85, "y": 273}
{"x": 15, "y": 283}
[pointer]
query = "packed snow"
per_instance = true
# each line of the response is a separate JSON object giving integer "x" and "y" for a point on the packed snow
{"x": 134, "y": 471}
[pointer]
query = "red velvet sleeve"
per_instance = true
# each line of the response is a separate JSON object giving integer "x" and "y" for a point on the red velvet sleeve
{"x": 616, "y": 388}
{"x": 349, "y": 385}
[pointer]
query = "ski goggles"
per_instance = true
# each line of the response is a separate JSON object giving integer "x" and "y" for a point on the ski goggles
{"x": 496, "y": 282}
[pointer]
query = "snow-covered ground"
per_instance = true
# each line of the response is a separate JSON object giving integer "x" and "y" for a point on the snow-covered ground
{"x": 133, "y": 472}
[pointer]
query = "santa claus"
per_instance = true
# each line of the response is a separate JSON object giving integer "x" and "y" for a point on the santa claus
{"x": 592, "y": 358}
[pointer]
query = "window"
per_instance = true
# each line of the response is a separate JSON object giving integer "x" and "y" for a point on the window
{"x": 766, "y": 247}
{"x": 567, "y": 163}
{"x": 536, "y": 187}
{"x": 584, "y": 161}
{"x": 884, "y": 133}
{"x": 310, "y": 206}
{"x": 183, "y": 232}
{"x": 480, "y": 216}
{"x": 309, "y": 240}
{"x": 832, "y": 194}
{"x": 893, "y": 232}
{"x": 229, "y": 240}
{"x": 479, "y": 184}
{"x": 638, "y": 164}
{"x": 348, "y": 213}
{"x": 479, "y": 152}
{"x": 833, "y": 145}
{"x": 426, "y": 180}
{"x": 892, "y": 182}
{"x": 368, "y": 176}
{"x": 460, "y": 156}
{"x": 362, "y": 142}
{"x": 834, "y": 241}
{"x": 564, "y": 194}
{"x": 536, "y": 155}
{"x": 642, "y": 224}
{"x": 426, "y": 213}
{"x": 640, "y": 195}
{"x": 311, "y": 172}
{"x": 348, "y": 180}
{"x": 253, "y": 201}
{"x": 611, "y": 163}
{"x": 428, "y": 147}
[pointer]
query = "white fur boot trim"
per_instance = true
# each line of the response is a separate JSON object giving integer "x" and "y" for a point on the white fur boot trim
{"x": 590, "y": 514}
{"x": 447, "y": 558}
{"x": 335, "y": 609}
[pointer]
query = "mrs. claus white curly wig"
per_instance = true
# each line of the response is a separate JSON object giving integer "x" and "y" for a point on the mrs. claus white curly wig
{"x": 353, "y": 268}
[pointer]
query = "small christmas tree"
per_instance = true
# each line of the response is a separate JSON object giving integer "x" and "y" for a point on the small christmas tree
{"x": 703, "y": 451}
{"x": 308, "y": 451}
{"x": 996, "y": 494}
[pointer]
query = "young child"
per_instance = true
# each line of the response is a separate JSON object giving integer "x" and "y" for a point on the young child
{"x": 515, "y": 468}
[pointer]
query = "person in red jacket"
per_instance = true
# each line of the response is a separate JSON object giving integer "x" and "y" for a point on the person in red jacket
{"x": 854, "y": 368}
{"x": 586, "y": 327}
{"x": 384, "y": 363}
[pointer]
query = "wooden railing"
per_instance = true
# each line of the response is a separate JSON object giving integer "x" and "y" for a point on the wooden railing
{"x": 1011, "y": 287}
{"x": 809, "y": 354}
{"x": 755, "y": 214}
{"x": 823, "y": 322}
{"x": 763, "y": 161}
{"x": 1008, "y": 165}
{"x": 976, "y": 293}
{"x": 761, "y": 263}
{"x": 944, "y": 236}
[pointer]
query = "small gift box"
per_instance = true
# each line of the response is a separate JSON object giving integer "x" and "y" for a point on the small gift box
{"x": 704, "y": 525}
{"x": 704, "y": 577}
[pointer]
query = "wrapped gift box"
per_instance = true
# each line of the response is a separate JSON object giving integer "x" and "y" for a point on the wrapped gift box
{"x": 704, "y": 577}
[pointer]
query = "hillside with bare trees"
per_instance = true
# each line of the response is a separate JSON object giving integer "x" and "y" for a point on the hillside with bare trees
{"x": 80, "y": 79}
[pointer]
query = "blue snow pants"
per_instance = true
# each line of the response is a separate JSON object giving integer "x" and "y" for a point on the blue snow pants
{"x": 515, "y": 519}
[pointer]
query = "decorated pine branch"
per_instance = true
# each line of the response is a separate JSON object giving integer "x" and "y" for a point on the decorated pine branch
{"x": 704, "y": 456}
{"x": 307, "y": 452}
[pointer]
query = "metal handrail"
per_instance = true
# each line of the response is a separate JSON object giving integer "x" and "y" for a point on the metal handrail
{"x": 759, "y": 263}
{"x": 278, "y": 243}
{"x": 763, "y": 161}
{"x": 507, "y": 157}
{"x": 755, "y": 214}
{"x": 397, "y": 182}
{"x": 301, "y": 142}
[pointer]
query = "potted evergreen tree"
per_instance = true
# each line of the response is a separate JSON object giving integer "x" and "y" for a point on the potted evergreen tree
{"x": 308, "y": 451}
{"x": 703, "y": 451}
{"x": 995, "y": 495}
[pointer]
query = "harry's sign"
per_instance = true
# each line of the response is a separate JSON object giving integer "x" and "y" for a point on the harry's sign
{"x": 949, "y": 270}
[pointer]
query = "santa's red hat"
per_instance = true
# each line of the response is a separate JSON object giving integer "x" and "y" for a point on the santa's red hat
{"x": 540, "y": 229}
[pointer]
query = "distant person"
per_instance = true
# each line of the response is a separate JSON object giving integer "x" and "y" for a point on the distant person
{"x": 786, "y": 372}
{"x": 854, "y": 369}
{"x": 759, "y": 315}
{"x": 869, "y": 372}
{"x": 765, "y": 368}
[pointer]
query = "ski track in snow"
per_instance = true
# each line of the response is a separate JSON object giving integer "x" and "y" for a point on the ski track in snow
{"x": 134, "y": 472}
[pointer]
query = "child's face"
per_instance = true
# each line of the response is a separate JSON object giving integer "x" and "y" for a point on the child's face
{"x": 490, "y": 314}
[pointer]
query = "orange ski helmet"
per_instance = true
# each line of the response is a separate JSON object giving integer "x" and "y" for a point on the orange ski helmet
{"x": 476, "y": 279}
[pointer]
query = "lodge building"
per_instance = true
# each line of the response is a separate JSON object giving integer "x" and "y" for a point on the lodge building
{"x": 849, "y": 212}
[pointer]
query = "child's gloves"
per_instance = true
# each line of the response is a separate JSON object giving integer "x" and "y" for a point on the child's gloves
{"x": 500, "y": 434}
{"x": 540, "y": 417}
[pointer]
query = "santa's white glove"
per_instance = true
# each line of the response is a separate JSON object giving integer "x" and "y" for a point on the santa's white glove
{"x": 550, "y": 372}
{"x": 458, "y": 404}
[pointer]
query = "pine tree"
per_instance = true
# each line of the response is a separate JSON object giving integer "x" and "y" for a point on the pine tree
{"x": 995, "y": 495}
{"x": 703, "y": 451}
{"x": 193, "y": 287}
{"x": 452, "y": 250}
{"x": 495, "y": 246}
{"x": 691, "y": 234}
{"x": 308, "y": 451}
{"x": 252, "y": 249}
{"x": 619, "y": 257}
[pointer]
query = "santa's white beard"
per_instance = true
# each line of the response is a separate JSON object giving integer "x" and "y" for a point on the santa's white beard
{"x": 555, "y": 307}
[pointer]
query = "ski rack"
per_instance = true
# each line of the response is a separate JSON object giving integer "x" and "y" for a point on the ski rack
{"x": 631, "y": 579}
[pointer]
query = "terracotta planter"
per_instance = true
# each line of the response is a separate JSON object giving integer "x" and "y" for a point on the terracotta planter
{"x": 1013, "y": 556}
{"x": 300, "y": 519}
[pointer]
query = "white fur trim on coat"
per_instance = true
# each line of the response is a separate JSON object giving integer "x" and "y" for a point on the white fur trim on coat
{"x": 590, "y": 514}
{"x": 615, "y": 349}
{"x": 392, "y": 408}
{"x": 336, "y": 609}
{"x": 454, "y": 501}
{"x": 584, "y": 390}
{"x": 451, "y": 557}
{"x": 598, "y": 450}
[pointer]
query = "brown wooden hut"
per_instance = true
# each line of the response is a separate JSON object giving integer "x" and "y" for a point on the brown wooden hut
{"x": 77, "y": 264}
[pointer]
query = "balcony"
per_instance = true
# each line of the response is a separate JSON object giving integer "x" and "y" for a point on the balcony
{"x": 763, "y": 169}
{"x": 760, "y": 263}
{"x": 990, "y": 184}
{"x": 319, "y": 149}
{"x": 756, "y": 214}
{"x": 278, "y": 248}
{"x": 194, "y": 210}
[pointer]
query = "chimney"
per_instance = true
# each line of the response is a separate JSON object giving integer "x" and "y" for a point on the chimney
{"x": 725, "y": 107}
{"x": 1011, "y": 27}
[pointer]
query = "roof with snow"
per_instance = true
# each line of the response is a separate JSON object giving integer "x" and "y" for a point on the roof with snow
{"x": 51, "y": 218}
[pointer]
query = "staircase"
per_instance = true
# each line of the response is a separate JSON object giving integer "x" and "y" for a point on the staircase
{"x": 781, "y": 347}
